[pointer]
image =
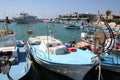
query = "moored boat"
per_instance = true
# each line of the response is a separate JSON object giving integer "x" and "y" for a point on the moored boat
{"x": 14, "y": 61}
{"x": 111, "y": 62}
{"x": 52, "y": 54}
{"x": 78, "y": 25}
{"x": 104, "y": 45}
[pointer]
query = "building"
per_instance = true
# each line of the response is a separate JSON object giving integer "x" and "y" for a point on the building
{"x": 76, "y": 16}
{"x": 111, "y": 16}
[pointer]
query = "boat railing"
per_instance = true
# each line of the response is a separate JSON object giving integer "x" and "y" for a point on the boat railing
{"x": 34, "y": 49}
{"x": 39, "y": 51}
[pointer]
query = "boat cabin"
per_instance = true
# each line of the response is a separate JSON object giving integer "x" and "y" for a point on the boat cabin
{"x": 8, "y": 49}
{"x": 53, "y": 46}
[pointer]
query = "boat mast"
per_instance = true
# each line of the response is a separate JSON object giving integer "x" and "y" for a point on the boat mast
{"x": 51, "y": 36}
{"x": 48, "y": 41}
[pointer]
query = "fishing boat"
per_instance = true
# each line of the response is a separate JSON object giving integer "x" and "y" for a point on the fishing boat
{"x": 52, "y": 54}
{"x": 112, "y": 60}
{"x": 25, "y": 18}
{"x": 77, "y": 25}
{"x": 14, "y": 61}
{"x": 103, "y": 46}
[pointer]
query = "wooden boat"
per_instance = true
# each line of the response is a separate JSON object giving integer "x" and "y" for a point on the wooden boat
{"x": 53, "y": 55}
{"x": 14, "y": 61}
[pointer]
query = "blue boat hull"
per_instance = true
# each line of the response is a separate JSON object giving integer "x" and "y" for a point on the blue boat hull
{"x": 111, "y": 62}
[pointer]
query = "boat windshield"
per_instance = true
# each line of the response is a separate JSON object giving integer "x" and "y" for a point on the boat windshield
{"x": 7, "y": 41}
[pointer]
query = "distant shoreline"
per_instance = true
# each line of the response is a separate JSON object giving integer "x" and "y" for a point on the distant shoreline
{"x": 2, "y": 20}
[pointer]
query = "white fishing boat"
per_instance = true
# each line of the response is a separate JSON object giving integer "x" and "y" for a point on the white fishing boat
{"x": 14, "y": 61}
{"x": 52, "y": 54}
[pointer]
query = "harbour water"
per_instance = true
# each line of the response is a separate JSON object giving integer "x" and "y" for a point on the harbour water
{"x": 37, "y": 72}
{"x": 41, "y": 29}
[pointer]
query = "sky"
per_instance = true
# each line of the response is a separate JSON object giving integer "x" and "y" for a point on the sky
{"x": 54, "y": 8}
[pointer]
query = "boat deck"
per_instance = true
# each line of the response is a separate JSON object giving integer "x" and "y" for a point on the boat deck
{"x": 18, "y": 70}
{"x": 79, "y": 57}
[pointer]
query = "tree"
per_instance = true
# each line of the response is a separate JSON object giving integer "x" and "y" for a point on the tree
{"x": 108, "y": 12}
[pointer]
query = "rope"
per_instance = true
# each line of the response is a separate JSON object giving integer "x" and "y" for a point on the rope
{"x": 100, "y": 77}
{"x": 109, "y": 47}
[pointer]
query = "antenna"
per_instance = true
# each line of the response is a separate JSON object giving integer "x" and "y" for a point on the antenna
{"x": 49, "y": 29}
{"x": 6, "y": 25}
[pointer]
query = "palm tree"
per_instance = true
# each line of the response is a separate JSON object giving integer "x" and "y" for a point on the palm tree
{"x": 108, "y": 12}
